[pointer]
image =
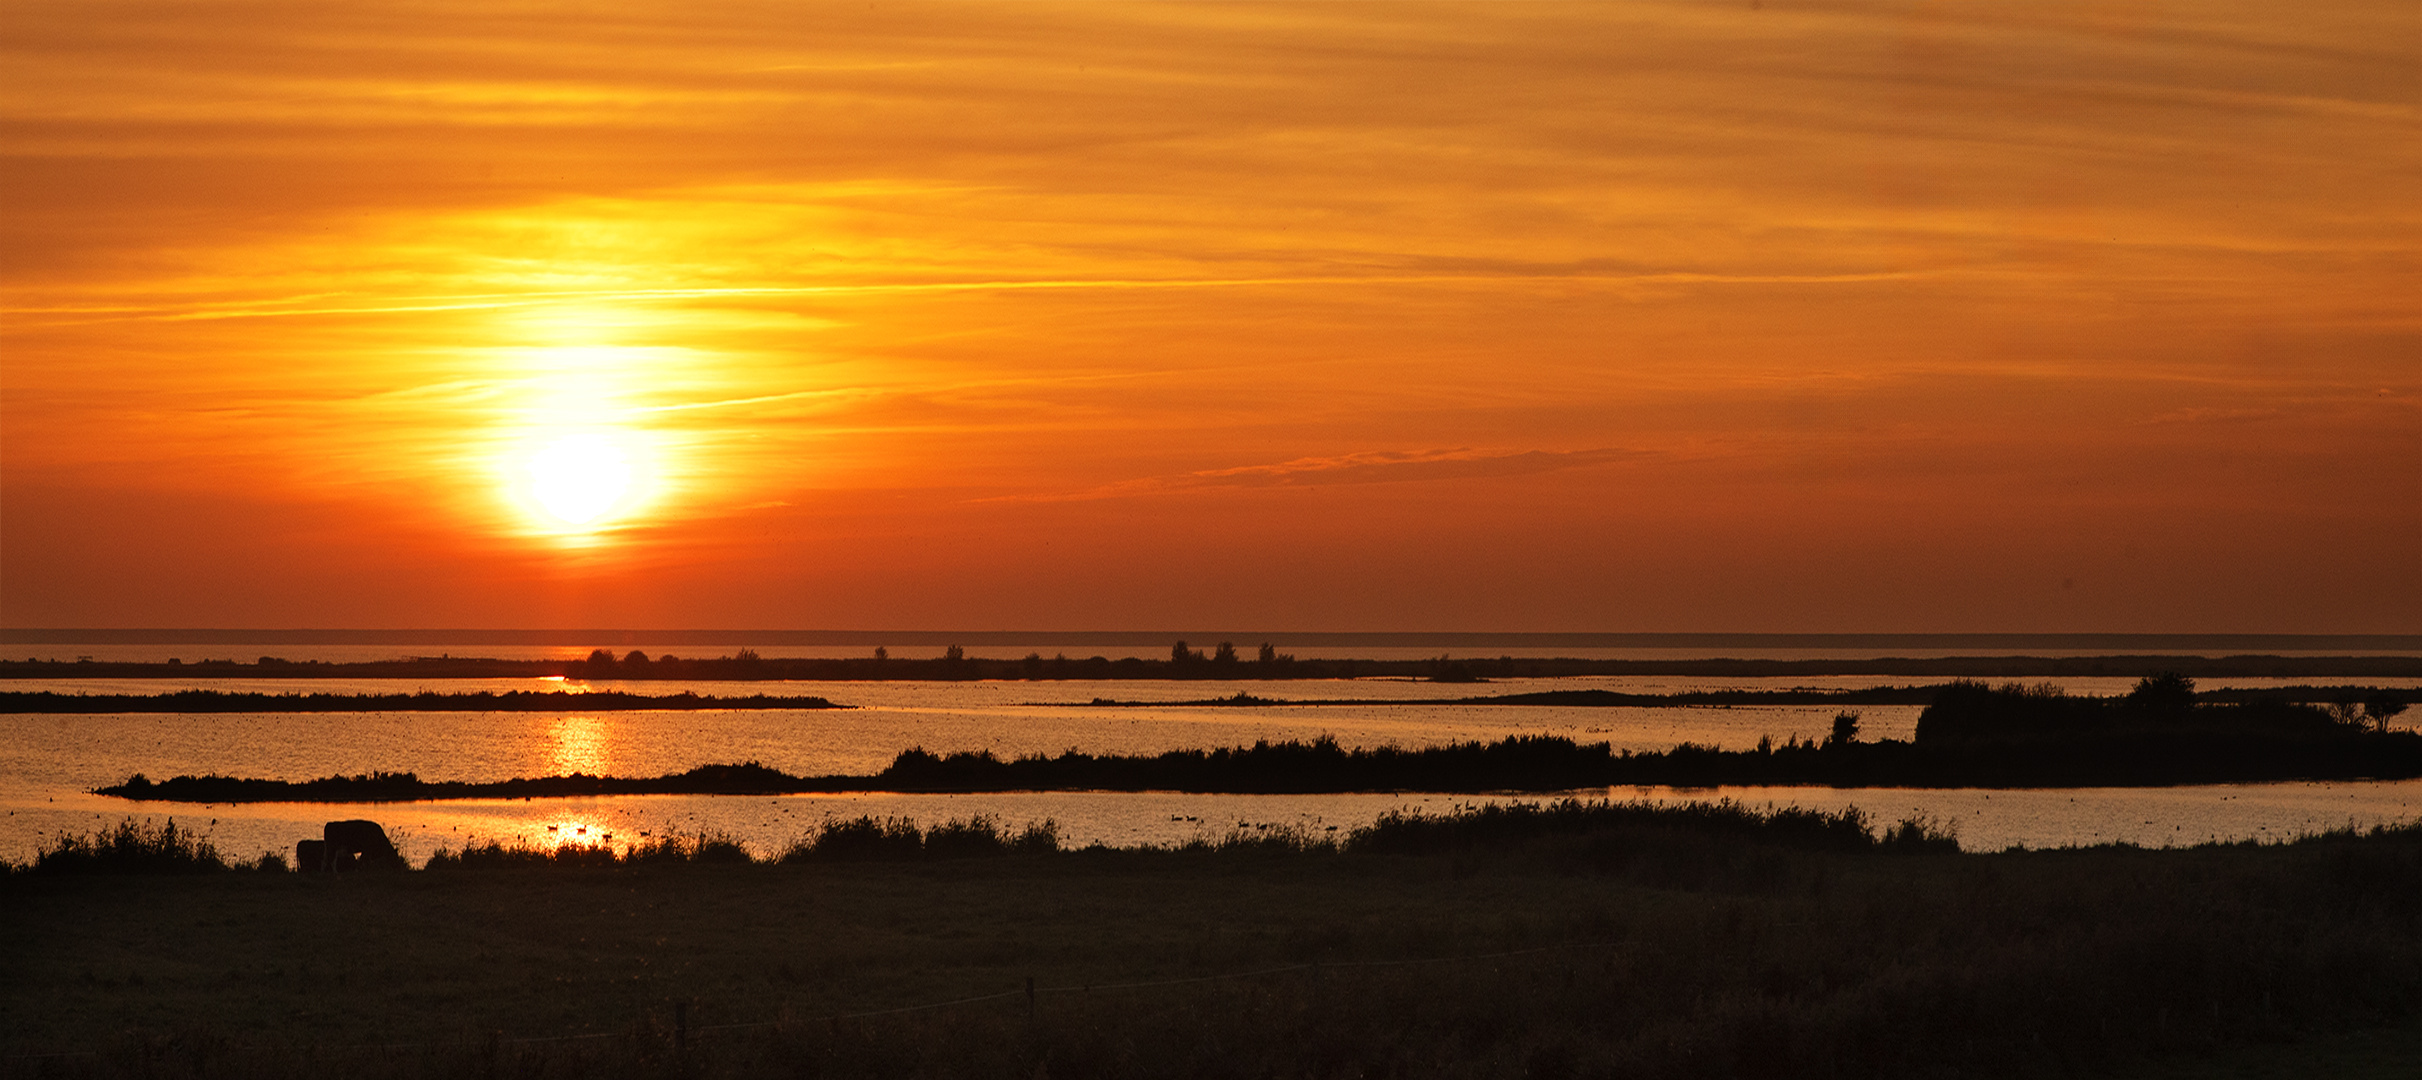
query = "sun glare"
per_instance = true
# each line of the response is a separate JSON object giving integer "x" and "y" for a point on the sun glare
{"x": 578, "y": 459}
{"x": 581, "y": 479}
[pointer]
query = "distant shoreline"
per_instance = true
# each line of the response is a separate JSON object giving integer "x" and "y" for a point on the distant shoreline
{"x": 747, "y": 666}
{"x": 218, "y": 701}
{"x": 624, "y": 638}
{"x": 215, "y": 701}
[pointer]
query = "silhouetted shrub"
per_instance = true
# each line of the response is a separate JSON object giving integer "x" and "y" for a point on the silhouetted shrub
{"x": 2381, "y": 707}
{"x": 1919, "y": 836}
{"x": 898, "y": 839}
{"x": 496, "y": 855}
{"x": 133, "y": 847}
{"x": 1037, "y": 838}
{"x": 1263, "y": 840}
{"x": 702, "y": 847}
{"x": 1845, "y": 729}
{"x": 861, "y": 839}
{"x": 2162, "y": 696}
{"x": 1969, "y": 711}
{"x": 1500, "y": 825}
{"x": 959, "y": 839}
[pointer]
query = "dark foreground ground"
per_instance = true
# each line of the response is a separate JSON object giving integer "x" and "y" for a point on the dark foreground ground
{"x": 1611, "y": 948}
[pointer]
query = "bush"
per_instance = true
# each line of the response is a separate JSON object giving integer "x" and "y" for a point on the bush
{"x": 897, "y": 839}
{"x": 861, "y": 839}
{"x": 957, "y": 839}
{"x": 1966, "y": 711}
{"x": 703, "y": 847}
{"x": 495, "y": 855}
{"x": 1038, "y": 838}
{"x": 137, "y": 848}
{"x": 1501, "y": 826}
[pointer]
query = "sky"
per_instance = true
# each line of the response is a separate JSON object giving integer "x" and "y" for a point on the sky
{"x": 1616, "y": 316}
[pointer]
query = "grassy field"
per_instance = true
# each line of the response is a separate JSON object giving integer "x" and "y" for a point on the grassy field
{"x": 1589, "y": 946}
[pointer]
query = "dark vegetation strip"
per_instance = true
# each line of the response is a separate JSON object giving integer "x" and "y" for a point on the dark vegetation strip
{"x": 133, "y": 847}
{"x": 1972, "y": 735}
{"x": 747, "y": 664}
{"x": 1615, "y": 699}
{"x": 1586, "y": 699}
{"x": 1656, "y": 945}
{"x": 217, "y": 701}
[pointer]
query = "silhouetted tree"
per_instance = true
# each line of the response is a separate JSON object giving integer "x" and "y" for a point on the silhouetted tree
{"x": 635, "y": 657}
{"x": 2165, "y": 694}
{"x": 2382, "y": 706}
{"x": 1180, "y": 654}
{"x": 882, "y": 654}
{"x": 2347, "y": 709}
{"x": 1269, "y": 653}
{"x": 1845, "y": 729}
{"x": 954, "y": 654}
{"x": 1225, "y": 653}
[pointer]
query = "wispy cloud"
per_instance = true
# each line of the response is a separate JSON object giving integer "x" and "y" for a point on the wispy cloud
{"x": 271, "y": 309}
{"x": 1079, "y": 253}
{"x": 1365, "y": 467}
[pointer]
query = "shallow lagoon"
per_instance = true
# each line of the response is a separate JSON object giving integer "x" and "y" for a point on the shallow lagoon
{"x": 48, "y": 762}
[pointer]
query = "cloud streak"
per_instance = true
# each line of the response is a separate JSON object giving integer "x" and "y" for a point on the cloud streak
{"x": 937, "y": 269}
{"x": 1362, "y": 467}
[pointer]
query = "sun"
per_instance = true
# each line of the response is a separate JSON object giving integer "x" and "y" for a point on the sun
{"x": 582, "y": 480}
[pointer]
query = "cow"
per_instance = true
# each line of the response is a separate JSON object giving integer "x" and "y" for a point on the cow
{"x": 347, "y": 845}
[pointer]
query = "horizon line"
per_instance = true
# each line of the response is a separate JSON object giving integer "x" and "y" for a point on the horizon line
{"x": 570, "y": 636}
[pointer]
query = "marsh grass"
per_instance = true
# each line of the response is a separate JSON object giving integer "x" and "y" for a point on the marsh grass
{"x": 1568, "y": 940}
{"x": 1847, "y": 829}
{"x": 136, "y": 847}
{"x": 132, "y": 848}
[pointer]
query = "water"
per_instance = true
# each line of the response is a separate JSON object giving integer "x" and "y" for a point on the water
{"x": 49, "y": 762}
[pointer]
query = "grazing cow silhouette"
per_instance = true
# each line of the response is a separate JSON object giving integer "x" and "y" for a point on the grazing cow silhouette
{"x": 347, "y": 845}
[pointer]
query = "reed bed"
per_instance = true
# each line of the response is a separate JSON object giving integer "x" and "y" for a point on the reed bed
{"x": 1581, "y": 939}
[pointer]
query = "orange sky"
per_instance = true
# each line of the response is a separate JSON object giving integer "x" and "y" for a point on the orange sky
{"x": 1510, "y": 316}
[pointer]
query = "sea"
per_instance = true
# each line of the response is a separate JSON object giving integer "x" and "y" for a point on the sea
{"x": 50, "y": 763}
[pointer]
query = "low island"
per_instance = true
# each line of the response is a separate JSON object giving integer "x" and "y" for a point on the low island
{"x": 1971, "y": 735}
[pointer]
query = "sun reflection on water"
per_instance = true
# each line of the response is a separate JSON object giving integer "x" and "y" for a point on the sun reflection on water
{"x": 580, "y": 744}
{"x": 585, "y": 832}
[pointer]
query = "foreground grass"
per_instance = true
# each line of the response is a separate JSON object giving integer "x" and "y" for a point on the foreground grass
{"x": 1587, "y": 945}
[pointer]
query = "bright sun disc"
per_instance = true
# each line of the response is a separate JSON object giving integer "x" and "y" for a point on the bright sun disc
{"x": 580, "y": 478}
